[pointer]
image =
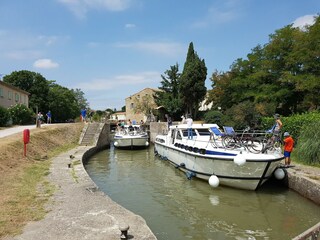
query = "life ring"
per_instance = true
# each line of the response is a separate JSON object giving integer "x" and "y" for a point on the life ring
{"x": 202, "y": 151}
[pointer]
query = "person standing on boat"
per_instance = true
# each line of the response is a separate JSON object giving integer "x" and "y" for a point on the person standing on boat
{"x": 189, "y": 122}
{"x": 169, "y": 120}
{"x": 288, "y": 147}
{"x": 277, "y": 125}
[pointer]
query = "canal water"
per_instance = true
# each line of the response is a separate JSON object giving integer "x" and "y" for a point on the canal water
{"x": 176, "y": 208}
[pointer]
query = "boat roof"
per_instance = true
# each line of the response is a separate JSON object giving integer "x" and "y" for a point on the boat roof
{"x": 197, "y": 126}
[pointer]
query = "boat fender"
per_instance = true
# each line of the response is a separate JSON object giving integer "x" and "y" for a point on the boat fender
{"x": 115, "y": 143}
{"x": 147, "y": 143}
{"x": 181, "y": 146}
{"x": 186, "y": 147}
{"x": 239, "y": 160}
{"x": 190, "y": 175}
{"x": 182, "y": 165}
{"x": 190, "y": 149}
{"x": 202, "y": 151}
{"x": 214, "y": 181}
{"x": 280, "y": 173}
{"x": 195, "y": 149}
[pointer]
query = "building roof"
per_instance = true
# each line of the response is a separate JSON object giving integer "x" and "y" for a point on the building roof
{"x": 153, "y": 89}
{"x": 13, "y": 87}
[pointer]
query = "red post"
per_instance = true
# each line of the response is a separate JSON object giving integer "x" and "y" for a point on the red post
{"x": 26, "y": 139}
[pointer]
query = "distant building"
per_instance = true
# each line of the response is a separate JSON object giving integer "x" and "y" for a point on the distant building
{"x": 131, "y": 104}
{"x": 118, "y": 116}
{"x": 11, "y": 95}
{"x": 203, "y": 106}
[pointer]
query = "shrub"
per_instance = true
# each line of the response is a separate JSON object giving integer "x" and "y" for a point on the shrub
{"x": 20, "y": 114}
{"x": 213, "y": 117}
{"x": 307, "y": 149}
{"x": 4, "y": 116}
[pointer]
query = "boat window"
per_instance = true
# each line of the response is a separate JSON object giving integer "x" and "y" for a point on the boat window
{"x": 185, "y": 133}
{"x": 203, "y": 132}
{"x": 178, "y": 135}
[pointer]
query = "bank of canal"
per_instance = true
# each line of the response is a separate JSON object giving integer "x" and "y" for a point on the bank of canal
{"x": 176, "y": 208}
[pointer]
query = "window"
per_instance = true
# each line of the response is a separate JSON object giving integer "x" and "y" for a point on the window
{"x": 17, "y": 97}
{"x": 203, "y": 132}
{"x": 132, "y": 105}
{"x": 9, "y": 95}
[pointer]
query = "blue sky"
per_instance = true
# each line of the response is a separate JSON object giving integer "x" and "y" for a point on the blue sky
{"x": 111, "y": 49}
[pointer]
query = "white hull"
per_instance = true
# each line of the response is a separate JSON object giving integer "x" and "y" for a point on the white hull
{"x": 131, "y": 142}
{"x": 131, "y": 138}
{"x": 218, "y": 161}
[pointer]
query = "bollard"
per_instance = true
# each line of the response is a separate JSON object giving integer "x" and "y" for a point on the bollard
{"x": 124, "y": 231}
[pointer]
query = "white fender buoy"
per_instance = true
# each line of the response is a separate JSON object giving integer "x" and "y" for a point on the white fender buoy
{"x": 279, "y": 174}
{"x": 147, "y": 143}
{"x": 239, "y": 160}
{"x": 115, "y": 143}
{"x": 214, "y": 181}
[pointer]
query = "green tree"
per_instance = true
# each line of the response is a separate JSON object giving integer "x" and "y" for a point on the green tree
{"x": 34, "y": 83}
{"x": 63, "y": 103}
{"x": 192, "y": 82}
{"x": 4, "y": 116}
{"x": 80, "y": 98}
{"x": 169, "y": 96}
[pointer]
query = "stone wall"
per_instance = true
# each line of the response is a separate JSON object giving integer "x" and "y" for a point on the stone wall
{"x": 157, "y": 128}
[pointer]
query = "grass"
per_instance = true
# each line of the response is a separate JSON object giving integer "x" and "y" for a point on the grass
{"x": 25, "y": 191}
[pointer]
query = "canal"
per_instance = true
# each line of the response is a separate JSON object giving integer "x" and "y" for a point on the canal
{"x": 177, "y": 208}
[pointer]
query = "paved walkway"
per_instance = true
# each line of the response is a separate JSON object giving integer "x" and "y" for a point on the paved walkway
{"x": 78, "y": 210}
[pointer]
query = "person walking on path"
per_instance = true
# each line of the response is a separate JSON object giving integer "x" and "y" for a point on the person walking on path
{"x": 288, "y": 148}
{"x": 48, "y": 117}
{"x": 189, "y": 122}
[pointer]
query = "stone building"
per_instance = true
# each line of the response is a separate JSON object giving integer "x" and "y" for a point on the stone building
{"x": 141, "y": 100}
{"x": 11, "y": 95}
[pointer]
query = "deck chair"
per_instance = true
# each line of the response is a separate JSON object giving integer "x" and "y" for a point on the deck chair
{"x": 229, "y": 131}
{"x": 217, "y": 141}
{"x": 217, "y": 131}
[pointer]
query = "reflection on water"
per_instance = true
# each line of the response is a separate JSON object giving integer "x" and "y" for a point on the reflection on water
{"x": 177, "y": 208}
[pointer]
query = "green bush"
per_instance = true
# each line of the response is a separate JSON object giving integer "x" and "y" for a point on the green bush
{"x": 4, "y": 116}
{"x": 307, "y": 149}
{"x": 294, "y": 123}
{"x": 213, "y": 117}
{"x": 20, "y": 114}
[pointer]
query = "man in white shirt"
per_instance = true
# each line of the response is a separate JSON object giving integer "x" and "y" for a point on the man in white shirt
{"x": 189, "y": 122}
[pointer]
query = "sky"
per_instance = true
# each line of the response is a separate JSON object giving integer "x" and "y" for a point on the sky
{"x": 112, "y": 49}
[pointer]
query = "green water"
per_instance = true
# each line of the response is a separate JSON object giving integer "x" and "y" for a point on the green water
{"x": 176, "y": 208}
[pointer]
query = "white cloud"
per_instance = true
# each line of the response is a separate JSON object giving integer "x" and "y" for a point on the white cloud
{"x": 304, "y": 21}
{"x": 81, "y": 7}
{"x": 120, "y": 81}
{"x": 162, "y": 48}
{"x": 220, "y": 13}
{"x": 45, "y": 63}
{"x": 130, "y": 25}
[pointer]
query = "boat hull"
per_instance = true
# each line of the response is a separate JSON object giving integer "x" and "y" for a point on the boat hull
{"x": 131, "y": 142}
{"x": 249, "y": 176}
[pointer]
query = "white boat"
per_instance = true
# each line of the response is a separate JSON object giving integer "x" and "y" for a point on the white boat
{"x": 212, "y": 156}
{"x": 131, "y": 137}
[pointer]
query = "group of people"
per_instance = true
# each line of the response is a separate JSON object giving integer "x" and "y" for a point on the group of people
{"x": 288, "y": 140}
{"x": 40, "y": 118}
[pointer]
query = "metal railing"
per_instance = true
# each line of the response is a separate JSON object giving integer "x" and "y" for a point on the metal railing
{"x": 312, "y": 233}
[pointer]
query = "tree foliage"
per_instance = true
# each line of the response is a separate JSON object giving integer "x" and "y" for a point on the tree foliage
{"x": 63, "y": 103}
{"x": 46, "y": 95}
{"x": 169, "y": 96}
{"x": 34, "y": 83}
{"x": 282, "y": 76}
{"x": 4, "y": 116}
{"x": 192, "y": 82}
